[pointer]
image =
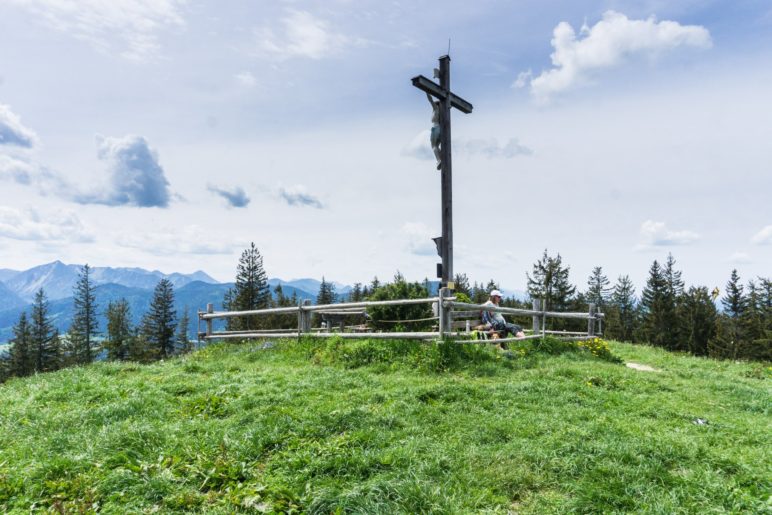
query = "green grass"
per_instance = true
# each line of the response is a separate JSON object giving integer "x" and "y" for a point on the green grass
{"x": 376, "y": 427}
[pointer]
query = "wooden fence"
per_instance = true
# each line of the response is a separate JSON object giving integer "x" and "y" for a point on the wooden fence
{"x": 448, "y": 311}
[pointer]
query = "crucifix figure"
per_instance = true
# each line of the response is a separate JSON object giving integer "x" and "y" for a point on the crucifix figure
{"x": 441, "y": 110}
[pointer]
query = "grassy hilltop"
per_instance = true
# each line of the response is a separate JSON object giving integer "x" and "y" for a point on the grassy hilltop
{"x": 377, "y": 427}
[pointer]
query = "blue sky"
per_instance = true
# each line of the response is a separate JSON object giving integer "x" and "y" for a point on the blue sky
{"x": 169, "y": 134}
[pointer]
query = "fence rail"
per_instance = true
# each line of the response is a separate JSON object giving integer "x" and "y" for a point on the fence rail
{"x": 447, "y": 309}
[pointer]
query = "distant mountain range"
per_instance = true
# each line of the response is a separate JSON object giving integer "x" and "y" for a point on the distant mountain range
{"x": 192, "y": 291}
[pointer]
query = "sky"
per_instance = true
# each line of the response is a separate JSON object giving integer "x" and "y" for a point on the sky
{"x": 169, "y": 134}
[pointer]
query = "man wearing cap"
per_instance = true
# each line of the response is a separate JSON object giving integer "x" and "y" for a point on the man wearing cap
{"x": 494, "y": 320}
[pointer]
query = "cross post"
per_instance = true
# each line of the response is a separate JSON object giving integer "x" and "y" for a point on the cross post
{"x": 447, "y": 100}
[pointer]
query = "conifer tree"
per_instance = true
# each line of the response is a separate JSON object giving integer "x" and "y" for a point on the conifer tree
{"x": 251, "y": 290}
{"x": 698, "y": 320}
{"x": 374, "y": 285}
{"x": 730, "y": 334}
{"x": 46, "y": 350}
{"x": 21, "y": 361}
{"x": 326, "y": 293}
{"x": 159, "y": 323}
{"x": 119, "y": 331}
{"x": 598, "y": 290}
{"x": 231, "y": 323}
{"x": 673, "y": 337}
{"x": 84, "y": 320}
{"x": 356, "y": 293}
{"x": 183, "y": 343}
{"x": 623, "y": 303}
{"x": 653, "y": 307}
{"x": 462, "y": 284}
{"x": 550, "y": 283}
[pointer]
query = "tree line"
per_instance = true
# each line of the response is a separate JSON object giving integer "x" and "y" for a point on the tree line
{"x": 37, "y": 346}
{"x": 665, "y": 314}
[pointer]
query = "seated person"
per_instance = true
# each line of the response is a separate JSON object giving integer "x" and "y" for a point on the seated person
{"x": 495, "y": 321}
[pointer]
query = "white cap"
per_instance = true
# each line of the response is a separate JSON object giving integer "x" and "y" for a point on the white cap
{"x": 496, "y": 293}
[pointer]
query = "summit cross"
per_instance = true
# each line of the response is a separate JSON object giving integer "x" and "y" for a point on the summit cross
{"x": 446, "y": 99}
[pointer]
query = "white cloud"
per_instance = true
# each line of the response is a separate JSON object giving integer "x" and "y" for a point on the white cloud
{"x": 16, "y": 170}
{"x": 298, "y": 195}
{"x": 134, "y": 24}
{"x": 189, "y": 239}
{"x": 657, "y": 234}
{"x": 55, "y": 226}
{"x": 606, "y": 44}
{"x": 246, "y": 79}
{"x": 418, "y": 239}
{"x": 301, "y": 35}
{"x": 763, "y": 237}
{"x": 420, "y": 148}
{"x": 739, "y": 258}
{"x": 135, "y": 176}
{"x": 12, "y": 132}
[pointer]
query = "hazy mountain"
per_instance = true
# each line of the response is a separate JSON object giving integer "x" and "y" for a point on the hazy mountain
{"x": 9, "y": 299}
{"x": 58, "y": 279}
{"x": 7, "y": 273}
{"x": 309, "y": 285}
{"x": 194, "y": 296}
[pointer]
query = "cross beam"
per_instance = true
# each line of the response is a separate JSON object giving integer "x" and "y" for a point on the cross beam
{"x": 434, "y": 90}
{"x": 447, "y": 100}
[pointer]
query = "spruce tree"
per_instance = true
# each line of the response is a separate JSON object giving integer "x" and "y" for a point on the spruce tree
{"x": 730, "y": 334}
{"x": 623, "y": 304}
{"x": 326, "y": 293}
{"x": 251, "y": 290}
{"x": 84, "y": 320}
{"x": 21, "y": 362}
{"x": 598, "y": 290}
{"x": 356, "y": 293}
{"x": 462, "y": 284}
{"x": 119, "y": 330}
{"x": 231, "y": 323}
{"x": 46, "y": 350}
{"x": 699, "y": 320}
{"x": 673, "y": 337}
{"x": 653, "y": 307}
{"x": 159, "y": 323}
{"x": 183, "y": 343}
{"x": 549, "y": 282}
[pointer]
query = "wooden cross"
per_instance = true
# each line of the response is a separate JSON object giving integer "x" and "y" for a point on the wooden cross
{"x": 447, "y": 100}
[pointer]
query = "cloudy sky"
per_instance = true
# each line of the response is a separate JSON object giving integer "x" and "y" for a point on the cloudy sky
{"x": 168, "y": 134}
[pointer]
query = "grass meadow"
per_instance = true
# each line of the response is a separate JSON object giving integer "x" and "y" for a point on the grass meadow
{"x": 391, "y": 427}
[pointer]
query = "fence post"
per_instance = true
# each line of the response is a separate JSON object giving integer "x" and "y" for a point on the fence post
{"x": 591, "y": 321}
{"x": 536, "y": 304}
{"x": 209, "y": 310}
{"x": 304, "y": 317}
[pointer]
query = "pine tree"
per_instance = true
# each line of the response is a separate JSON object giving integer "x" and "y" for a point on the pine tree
{"x": 21, "y": 361}
{"x": 673, "y": 337}
{"x": 326, "y": 293}
{"x": 46, "y": 350}
{"x": 598, "y": 291}
{"x": 653, "y": 307}
{"x": 550, "y": 283}
{"x": 730, "y": 334}
{"x": 183, "y": 343}
{"x": 119, "y": 330}
{"x": 251, "y": 290}
{"x": 84, "y": 320}
{"x": 159, "y": 323}
{"x": 622, "y": 310}
{"x": 699, "y": 320}
{"x": 462, "y": 284}
{"x": 356, "y": 293}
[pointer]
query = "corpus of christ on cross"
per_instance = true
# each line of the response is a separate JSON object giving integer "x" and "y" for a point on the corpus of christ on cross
{"x": 445, "y": 100}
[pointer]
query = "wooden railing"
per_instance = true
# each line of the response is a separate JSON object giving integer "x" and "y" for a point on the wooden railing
{"x": 447, "y": 309}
